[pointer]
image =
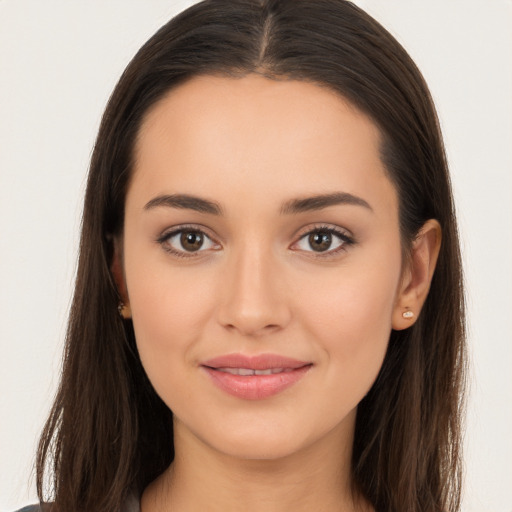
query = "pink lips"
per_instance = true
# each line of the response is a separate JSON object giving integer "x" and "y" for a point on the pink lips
{"x": 256, "y": 377}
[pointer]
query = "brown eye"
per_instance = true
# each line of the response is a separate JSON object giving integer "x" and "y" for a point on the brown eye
{"x": 324, "y": 241}
{"x": 186, "y": 242}
{"x": 191, "y": 240}
{"x": 320, "y": 241}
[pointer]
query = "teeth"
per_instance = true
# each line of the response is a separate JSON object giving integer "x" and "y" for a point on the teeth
{"x": 263, "y": 372}
{"x": 249, "y": 371}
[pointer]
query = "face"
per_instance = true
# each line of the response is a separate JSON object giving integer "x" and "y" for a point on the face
{"x": 262, "y": 261}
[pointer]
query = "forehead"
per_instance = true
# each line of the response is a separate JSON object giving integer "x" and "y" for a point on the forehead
{"x": 253, "y": 133}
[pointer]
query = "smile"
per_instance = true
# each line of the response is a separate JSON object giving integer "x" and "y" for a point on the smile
{"x": 256, "y": 377}
{"x": 250, "y": 371}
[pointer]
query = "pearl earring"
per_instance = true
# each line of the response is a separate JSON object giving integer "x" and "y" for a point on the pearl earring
{"x": 408, "y": 314}
{"x": 124, "y": 310}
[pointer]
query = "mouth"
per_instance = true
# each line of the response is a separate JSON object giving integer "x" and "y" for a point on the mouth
{"x": 255, "y": 377}
{"x": 250, "y": 371}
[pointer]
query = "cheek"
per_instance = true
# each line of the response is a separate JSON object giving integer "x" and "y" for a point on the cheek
{"x": 352, "y": 321}
{"x": 356, "y": 300}
{"x": 169, "y": 312}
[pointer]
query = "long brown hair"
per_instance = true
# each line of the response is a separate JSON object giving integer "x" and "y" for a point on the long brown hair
{"x": 108, "y": 432}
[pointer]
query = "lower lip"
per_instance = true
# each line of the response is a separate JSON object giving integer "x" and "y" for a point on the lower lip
{"x": 255, "y": 387}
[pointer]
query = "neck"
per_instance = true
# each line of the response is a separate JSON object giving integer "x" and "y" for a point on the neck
{"x": 315, "y": 477}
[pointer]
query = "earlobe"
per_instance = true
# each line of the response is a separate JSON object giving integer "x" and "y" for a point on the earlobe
{"x": 117, "y": 270}
{"x": 416, "y": 282}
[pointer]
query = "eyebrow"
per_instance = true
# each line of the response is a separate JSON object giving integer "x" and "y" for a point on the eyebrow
{"x": 323, "y": 201}
{"x": 198, "y": 204}
{"x": 186, "y": 202}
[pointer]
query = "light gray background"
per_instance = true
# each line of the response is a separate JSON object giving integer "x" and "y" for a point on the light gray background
{"x": 59, "y": 61}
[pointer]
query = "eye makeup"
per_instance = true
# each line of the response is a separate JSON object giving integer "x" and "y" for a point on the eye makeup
{"x": 190, "y": 241}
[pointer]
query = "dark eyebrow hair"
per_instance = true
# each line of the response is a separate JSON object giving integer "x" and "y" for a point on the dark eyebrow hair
{"x": 322, "y": 201}
{"x": 185, "y": 201}
{"x": 189, "y": 202}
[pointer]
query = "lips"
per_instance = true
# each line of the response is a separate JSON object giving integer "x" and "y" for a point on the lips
{"x": 249, "y": 371}
{"x": 255, "y": 377}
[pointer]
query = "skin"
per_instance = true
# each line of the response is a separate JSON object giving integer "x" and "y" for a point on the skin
{"x": 257, "y": 285}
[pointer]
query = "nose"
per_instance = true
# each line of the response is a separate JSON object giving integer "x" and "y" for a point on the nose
{"x": 253, "y": 297}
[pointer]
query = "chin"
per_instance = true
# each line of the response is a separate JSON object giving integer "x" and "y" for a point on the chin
{"x": 260, "y": 449}
{"x": 263, "y": 441}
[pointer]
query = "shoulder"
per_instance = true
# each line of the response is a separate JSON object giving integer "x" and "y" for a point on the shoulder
{"x": 45, "y": 507}
{"x": 131, "y": 505}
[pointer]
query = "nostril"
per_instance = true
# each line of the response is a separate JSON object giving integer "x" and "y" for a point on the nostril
{"x": 249, "y": 329}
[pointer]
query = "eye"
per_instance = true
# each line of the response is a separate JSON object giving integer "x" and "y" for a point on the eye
{"x": 325, "y": 239}
{"x": 185, "y": 242}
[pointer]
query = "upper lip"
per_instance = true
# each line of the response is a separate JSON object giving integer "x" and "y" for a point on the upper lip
{"x": 258, "y": 362}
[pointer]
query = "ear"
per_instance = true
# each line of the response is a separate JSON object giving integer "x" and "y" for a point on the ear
{"x": 417, "y": 277}
{"x": 117, "y": 269}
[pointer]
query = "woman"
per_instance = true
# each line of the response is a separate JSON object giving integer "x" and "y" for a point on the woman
{"x": 269, "y": 251}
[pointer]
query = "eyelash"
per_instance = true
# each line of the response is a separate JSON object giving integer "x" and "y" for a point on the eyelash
{"x": 346, "y": 240}
{"x": 165, "y": 237}
{"x": 342, "y": 235}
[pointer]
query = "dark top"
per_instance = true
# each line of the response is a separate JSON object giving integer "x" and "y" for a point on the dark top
{"x": 131, "y": 505}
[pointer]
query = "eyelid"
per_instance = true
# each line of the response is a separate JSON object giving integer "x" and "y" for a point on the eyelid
{"x": 169, "y": 233}
{"x": 342, "y": 233}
